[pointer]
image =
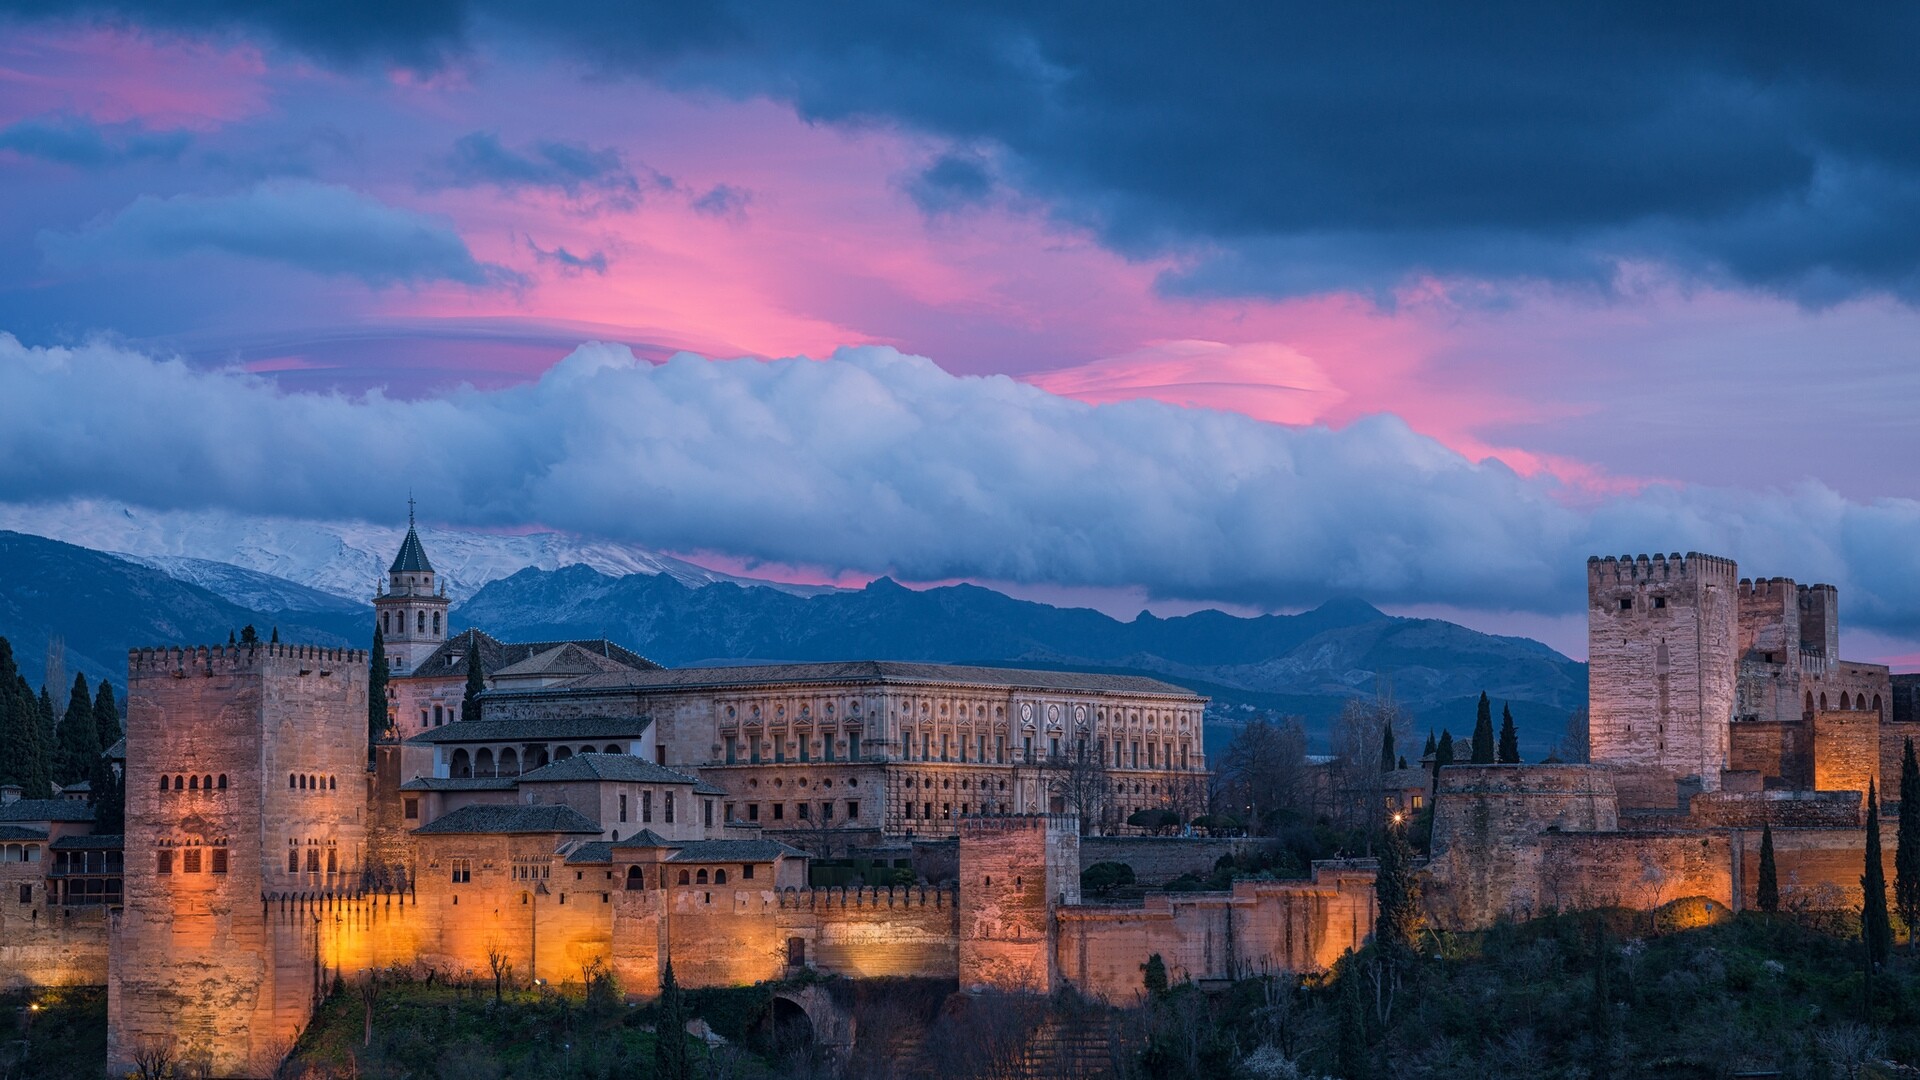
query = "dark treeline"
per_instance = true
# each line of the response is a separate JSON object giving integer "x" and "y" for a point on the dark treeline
{"x": 44, "y": 747}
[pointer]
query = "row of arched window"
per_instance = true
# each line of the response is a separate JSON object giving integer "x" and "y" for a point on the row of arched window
{"x": 636, "y": 878}
{"x": 178, "y": 782}
{"x": 510, "y": 763}
{"x": 387, "y": 620}
{"x": 310, "y": 782}
{"x": 1850, "y": 703}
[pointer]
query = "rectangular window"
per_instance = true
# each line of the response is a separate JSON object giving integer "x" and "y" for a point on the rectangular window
{"x": 668, "y": 807}
{"x": 219, "y": 860}
{"x": 313, "y": 860}
{"x": 1418, "y": 801}
{"x": 946, "y": 747}
{"x": 413, "y": 809}
{"x": 1000, "y": 749}
{"x": 926, "y": 747}
{"x": 826, "y": 747}
{"x": 293, "y": 861}
{"x": 853, "y": 746}
{"x": 1026, "y": 748}
{"x": 779, "y": 811}
{"x": 732, "y": 746}
{"x": 729, "y": 812}
{"x": 706, "y": 811}
{"x": 163, "y": 861}
{"x": 753, "y": 752}
{"x": 826, "y": 811}
{"x": 623, "y": 806}
{"x": 806, "y": 748}
{"x": 753, "y": 811}
{"x": 1053, "y": 746}
{"x": 779, "y": 751}
{"x": 746, "y": 872}
{"x": 190, "y": 861}
{"x": 805, "y": 810}
{"x": 26, "y": 893}
{"x": 646, "y": 806}
{"x": 1626, "y": 603}
{"x": 853, "y": 809}
{"x": 1659, "y": 601}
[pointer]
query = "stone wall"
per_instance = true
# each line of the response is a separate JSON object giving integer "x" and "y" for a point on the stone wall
{"x": 1259, "y": 927}
{"x": 865, "y": 932}
{"x": 1817, "y": 869}
{"x": 1846, "y": 751}
{"x": 1663, "y": 649}
{"x": 1487, "y": 820}
{"x": 1893, "y": 743}
{"x": 1772, "y": 748}
{"x": 1781, "y": 809}
{"x": 1631, "y": 869}
{"x": 1157, "y": 860}
{"x": 46, "y": 944}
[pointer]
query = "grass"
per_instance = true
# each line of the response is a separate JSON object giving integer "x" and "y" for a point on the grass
{"x": 53, "y": 1033}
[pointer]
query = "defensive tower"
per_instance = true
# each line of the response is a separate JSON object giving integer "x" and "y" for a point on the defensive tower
{"x": 1663, "y": 648}
{"x": 246, "y": 780}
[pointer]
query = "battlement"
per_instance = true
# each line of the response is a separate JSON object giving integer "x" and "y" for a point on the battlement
{"x": 996, "y": 825}
{"x": 1780, "y": 589}
{"x": 837, "y": 898}
{"x": 178, "y": 660}
{"x": 1658, "y": 569}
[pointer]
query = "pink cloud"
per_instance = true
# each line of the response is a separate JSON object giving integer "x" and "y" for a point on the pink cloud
{"x": 115, "y": 76}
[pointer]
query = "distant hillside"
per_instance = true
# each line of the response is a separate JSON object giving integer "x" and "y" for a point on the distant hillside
{"x": 103, "y": 605}
{"x": 1309, "y": 664}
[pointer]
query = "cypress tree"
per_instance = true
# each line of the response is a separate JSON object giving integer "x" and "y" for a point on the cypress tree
{"x": 1431, "y": 745}
{"x": 1906, "y": 851}
{"x": 78, "y": 740}
{"x": 377, "y": 688}
{"x": 476, "y": 682}
{"x": 671, "y": 1061}
{"x": 1386, "y": 748}
{"x": 49, "y": 728}
{"x": 106, "y": 716}
{"x": 249, "y": 636}
{"x": 1483, "y": 732}
{"x": 109, "y": 797}
{"x": 1397, "y": 898}
{"x": 1154, "y": 976}
{"x": 275, "y": 640}
{"x": 1509, "y": 738}
{"x": 1767, "y": 896}
{"x": 1443, "y": 754}
{"x": 1875, "y": 929}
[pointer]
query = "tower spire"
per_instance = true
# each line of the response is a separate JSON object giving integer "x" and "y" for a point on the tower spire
{"x": 409, "y": 508}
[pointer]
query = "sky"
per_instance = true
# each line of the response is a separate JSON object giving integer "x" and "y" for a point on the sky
{"x": 1213, "y": 304}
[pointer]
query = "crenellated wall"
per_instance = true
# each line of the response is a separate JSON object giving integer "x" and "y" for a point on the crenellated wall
{"x": 1012, "y": 872}
{"x": 868, "y": 932}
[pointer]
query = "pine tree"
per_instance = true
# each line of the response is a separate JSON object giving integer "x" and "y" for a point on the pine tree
{"x": 106, "y": 716}
{"x": 249, "y": 636}
{"x": 1767, "y": 896}
{"x": 476, "y": 683}
{"x": 1509, "y": 737}
{"x": 1906, "y": 850}
{"x": 78, "y": 738}
{"x": 109, "y": 797}
{"x": 1483, "y": 732}
{"x": 377, "y": 688}
{"x": 671, "y": 1061}
{"x": 1386, "y": 748}
{"x": 1875, "y": 930}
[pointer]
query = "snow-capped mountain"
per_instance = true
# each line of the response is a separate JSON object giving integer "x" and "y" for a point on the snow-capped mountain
{"x": 344, "y": 559}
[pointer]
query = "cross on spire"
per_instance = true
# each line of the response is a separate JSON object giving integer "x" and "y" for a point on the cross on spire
{"x": 409, "y": 508}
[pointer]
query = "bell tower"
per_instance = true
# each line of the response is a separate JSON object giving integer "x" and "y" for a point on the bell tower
{"x": 412, "y": 610}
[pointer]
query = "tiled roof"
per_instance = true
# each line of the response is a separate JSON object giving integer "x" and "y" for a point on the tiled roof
{"x": 496, "y": 655}
{"x": 594, "y": 851}
{"x": 869, "y": 671}
{"x": 21, "y": 832}
{"x": 733, "y": 851}
{"x": 412, "y": 558}
{"x": 46, "y": 810}
{"x": 547, "y": 818}
{"x": 546, "y": 729}
{"x": 459, "y": 783}
{"x": 645, "y": 838}
{"x": 706, "y": 788}
{"x": 118, "y": 751}
{"x": 91, "y": 842}
{"x": 82, "y": 787}
{"x": 623, "y": 767}
{"x": 569, "y": 658}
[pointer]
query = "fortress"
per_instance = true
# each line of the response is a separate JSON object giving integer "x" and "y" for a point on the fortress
{"x": 603, "y": 811}
{"x": 1718, "y": 705}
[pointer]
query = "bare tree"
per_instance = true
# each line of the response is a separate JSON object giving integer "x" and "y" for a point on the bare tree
{"x": 154, "y": 1058}
{"x": 1574, "y": 747}
{"x": 1264, "y": 770}
{"x": 1358, "y": 786}
{"x": 501, "y": 966}
{"x": 1080, "y": 777}
{"x": 369, "y": 997}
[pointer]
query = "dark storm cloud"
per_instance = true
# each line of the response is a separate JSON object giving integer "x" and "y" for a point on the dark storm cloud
{"x": 1767, "y": 146}
{"x": 952, "y": 182}
{"x": 570, "y": 265}
{"x": 574, "y": 169}
{"x": 83, "y": 144}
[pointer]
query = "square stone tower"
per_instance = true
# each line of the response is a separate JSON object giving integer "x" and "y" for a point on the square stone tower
{"x": 246, "y": 780}
{"x": 1663, "y": 652}
{"x": 1014, "y": 872}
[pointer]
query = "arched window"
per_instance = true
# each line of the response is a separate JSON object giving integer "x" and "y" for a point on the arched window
{"x": 293, "y": 861}
{"x": 439, "y": 716}
{"x": 635, "y": 879}
{"x": 193, "y": 783}
{"x": 1823, "y": 701}
{"x": 509, "y": 762}
{"x": 206, "y": 782}
{"x": 562, "y": 753}
{"x": 719, "y": 877}
{"x": 421, "y": 622}
{"x": 700, "y": 878}
{"x": 1876, "y": 703}
{"x": 685, "y": 878}
{"x": 333, "y": 861}
{"x": 290, "y": 782}
{"x": 333, "y": 783}
{"x": 386, "y": 622}
{"x": 1809, "y": 701}
{"x": 436, "y": 624}
{"x": 164, "y": 785}
{"x": 460, "y": 765}
{"x": 222, "y": 782}
{"x": 483, "y": 762}
{"x": 612, "y": 749}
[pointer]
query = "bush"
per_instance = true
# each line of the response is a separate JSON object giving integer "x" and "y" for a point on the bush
{"x": 1104, "y": 877}
{"x": 1153, "y": 819}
